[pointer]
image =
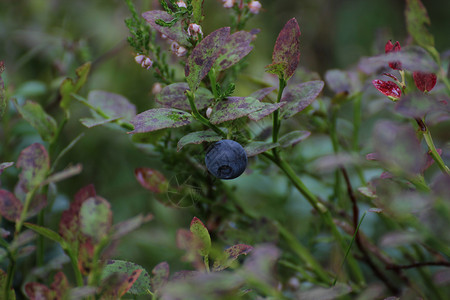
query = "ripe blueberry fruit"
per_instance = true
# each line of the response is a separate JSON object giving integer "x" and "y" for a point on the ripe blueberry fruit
{"x": 226, "y": 159}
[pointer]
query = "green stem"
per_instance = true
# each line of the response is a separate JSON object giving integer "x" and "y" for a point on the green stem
{"x": 427, "y": 136}
{"x": 76, "y": 270}
{"x": 40, "y": 241}
{"x": 9, "y": 276}
{"x": 321, "y": 209}
{"x": 24, "y": 212}
{"x": 206, "y": 261}
{"x": 276, "y": 114}
{"x": 212, "y": 79}
{"x": 335, "y": 144}
{"x": 357, "y": 117}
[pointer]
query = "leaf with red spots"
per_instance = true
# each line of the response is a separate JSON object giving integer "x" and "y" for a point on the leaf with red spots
{"x": 300, "y": 97}
{"x": 10, "y": 206}
{"x": 160, "y": 276}
{"x": 35, "y": 164}
{"x": 151, "y": 180}
{"x": 388, "y": 88}
{"x": 267, "y": 109}
{"x": 236, "y": 48}
{"x": 135, "y": 274}
{"x": 200, "y": 231}
{"x": 286, "y": 53}
{"x": 424, "y": 81}
{"x": 160, "y": 118}
{"x": 233, "y": 108}
{"x": 175, "y": 32}
{"x": 69, "y": 226}
{"x": 173, "y": 96}
{"x": 204, "y": 55}
{"x": 230, "y": 255}
{"x": 389, "y": 47}
{"x": 95, "y": 218}
{"x": 198, "y": 137}
{"x": 417, "y": 21}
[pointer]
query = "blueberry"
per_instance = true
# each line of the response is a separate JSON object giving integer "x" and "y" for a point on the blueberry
{"x": 226, "y": 159}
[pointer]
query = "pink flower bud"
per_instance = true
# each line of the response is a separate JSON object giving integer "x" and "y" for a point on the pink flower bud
{"x": 139, "y": 58}
{"x": 208, "y": 112}
{"x": 144, "y": 61}
{"x": 228, "y": 3}
{"x": 254, "y": 7}
{"x": 178, "y": 50}
{"x": 157, "y": 88}
{"x": 194, "y": 29}
{"x": 181, "y": 4}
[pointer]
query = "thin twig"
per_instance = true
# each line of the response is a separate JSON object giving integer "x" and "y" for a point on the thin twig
{"x": 419, "y": 265}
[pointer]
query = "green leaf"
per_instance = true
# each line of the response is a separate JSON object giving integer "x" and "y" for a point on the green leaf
{"x": 3, "y": 283}
{"x": 175, "y": 32}
{"x": 34, "y": 114}
{"x": 233, "y": 108}
{"x": 293, "y": 138}
{"x": 140, "y": 286}
{"x": 204, "y": 55}
{"x": 197, "y": 11}
{"x": 199, "y": 230}
{"x": 255, "y": 148}
{"x": 64, "y": 174}
{"x": 198, "y": 137}
{"x": 230, "y": 255}
{"x": 69, "y": 86}
{"x": 417, "y": 21}
{"x": 48, "y": 233}
{"x": 300, "y": 97}
{"x": 95, "y": 218}
{"x": 286, "y": 52}
{"x": 160, "y": 118}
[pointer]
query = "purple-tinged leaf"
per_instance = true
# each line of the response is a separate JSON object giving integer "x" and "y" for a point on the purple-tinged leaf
{"x": 125, "y": 227}
{"x": 300, "y": 97}
{"x": 151, "y": 180}
{"x": 192, "y": 245}
{"x": 200, "y": 231}
{"x": 5, "y": 165}
{"x": 236, "y": 47}
{"x": 388, "y": 88}
{"x": 262, "y": 93}
{"x": 48, "y": 233}
{"x": 371, "y": 156}
{"x": 35, "y": 163}
{"x": 160, "y": 276}
{"x": 60, "y": 285}
{"x": 233, "y": 108}
{"x": 204, "y": 55}
{"x": 95, "y": 218}
{"x": 342, "y": 81}
{"x": 293, "y": 138}
{"x": 176, "y": 32}
{"x": 230, "y": 255}
{"x": 89, "y": 122}
{"x": 38, "y": 291}
{"x": 183, "y": 275}
{"x": 10, "y": 206}
{"x": 160, "y": 118}
{"x": 398, "y": 148}
{"x": 261, "y": 264}
{"x": 173, "y": 96}
{"x": 198, "y": 137}
{"x": 255, "y": 148}
{"x": 417, "y": 21}
{"x": 412, "y": 58}
{"x": 113, "y": 105}
{"x": 267, "y": 109}
{"x": 425, "y": 82}
{"x": 35, "y": 115}
{"x": 332, "y": 162}
{"x": 286, "y": 53}
{"x": 419, "y": 105}
{"x": 38, "y": 203}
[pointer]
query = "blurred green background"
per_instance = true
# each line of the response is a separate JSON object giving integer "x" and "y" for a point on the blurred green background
{"x": 43, "y": 41}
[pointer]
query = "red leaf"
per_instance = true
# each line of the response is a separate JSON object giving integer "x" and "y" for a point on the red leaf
{"x": 389, "y": 47}
{"x": 388, "y": 88}
{"x": 424, "y": 81}
{"x": 152, "y": 180}
{"x": 85, "y": 254}
{"x": 10, "y": 206}
{"x": 126, "y": 285}
{"x": 38, "y": 291}
{"x": 60, "y": 284}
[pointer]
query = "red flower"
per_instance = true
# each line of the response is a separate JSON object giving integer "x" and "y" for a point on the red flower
{"x": 424, "y": 81}
{"x": 389, "y": 47}
{"x": 388, "y": 88}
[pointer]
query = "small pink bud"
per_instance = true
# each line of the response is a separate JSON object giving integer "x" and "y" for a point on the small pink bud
{"x": 228, "y": 3}
{"x": 388, "y": 88}
{"x": 157, "y": 88}
{"x": 254, "y": 7}
{"x": 194, "y": 29}
{"x": 139, "y": 58}
{"x": 147, "y": 63}
{"x": 208, "y": 112}
{"x": 389, "y": 47}
{"x": 178, "y": 50}
{"x": 424, "y": 81}
{"x": 163, "y": 36}
{"x": 181, "y": 4}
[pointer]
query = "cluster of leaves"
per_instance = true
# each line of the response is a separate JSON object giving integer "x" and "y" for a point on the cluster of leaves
{"x": 197, "y": 107}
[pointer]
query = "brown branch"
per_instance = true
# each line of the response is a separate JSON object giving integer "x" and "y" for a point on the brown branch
{"x": 419, "y": 265}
